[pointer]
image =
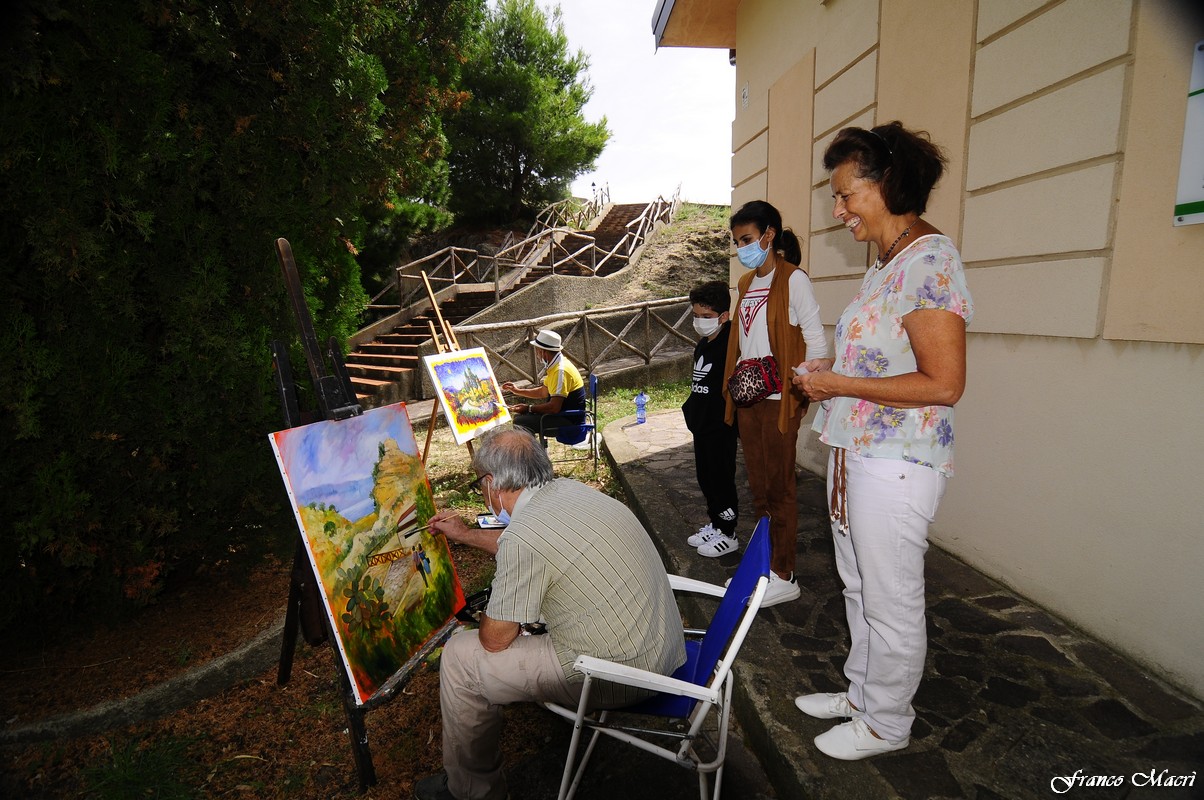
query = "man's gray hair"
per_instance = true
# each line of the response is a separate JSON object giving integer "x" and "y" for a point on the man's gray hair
{"x": 514, "y": 457}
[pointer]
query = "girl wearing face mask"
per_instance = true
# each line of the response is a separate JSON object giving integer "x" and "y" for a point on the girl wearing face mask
{"x": 704, "y": 410}
{"x": 776, "y": 315}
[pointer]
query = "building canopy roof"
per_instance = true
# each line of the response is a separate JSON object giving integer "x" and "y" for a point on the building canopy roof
{"x": 695, "y": 23}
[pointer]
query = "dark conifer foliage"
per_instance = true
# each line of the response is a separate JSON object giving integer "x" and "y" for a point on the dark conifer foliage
{"x": 150, "y": 153}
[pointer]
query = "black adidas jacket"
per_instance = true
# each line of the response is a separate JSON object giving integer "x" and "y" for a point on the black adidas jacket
{"x": 704, "y": 408}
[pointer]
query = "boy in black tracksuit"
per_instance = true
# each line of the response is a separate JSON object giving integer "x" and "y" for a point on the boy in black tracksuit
{"x": 714, "y": 439}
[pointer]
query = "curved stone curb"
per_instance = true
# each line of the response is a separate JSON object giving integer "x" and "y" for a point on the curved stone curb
{"x": 183, "y": 690}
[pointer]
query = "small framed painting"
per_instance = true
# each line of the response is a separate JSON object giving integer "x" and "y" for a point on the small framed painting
{"x": 468, "y": 391}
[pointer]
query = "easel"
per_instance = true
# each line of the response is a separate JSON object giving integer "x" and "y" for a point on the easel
{"x": 452, "y": 346}
{"x": 306, "y": 611}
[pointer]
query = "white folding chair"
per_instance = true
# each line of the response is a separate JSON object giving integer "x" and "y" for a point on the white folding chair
{"x": 702, "y": 684}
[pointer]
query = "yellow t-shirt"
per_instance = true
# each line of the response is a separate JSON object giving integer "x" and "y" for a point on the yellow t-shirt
{"x": 563, "y": 380}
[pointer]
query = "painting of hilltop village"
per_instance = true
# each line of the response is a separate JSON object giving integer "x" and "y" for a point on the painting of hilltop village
{"x": 361, "y": 497}
{"x": 468, "y": 391}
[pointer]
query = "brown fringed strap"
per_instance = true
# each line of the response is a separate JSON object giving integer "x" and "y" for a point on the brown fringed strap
{"x": 839, "y": 502}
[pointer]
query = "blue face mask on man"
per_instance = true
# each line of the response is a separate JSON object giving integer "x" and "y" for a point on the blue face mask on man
{"x": 751, "y": 255}
{"x": 503, "y": 516}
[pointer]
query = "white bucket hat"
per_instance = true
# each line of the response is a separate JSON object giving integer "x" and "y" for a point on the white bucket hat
{"x": 548, "y": 340}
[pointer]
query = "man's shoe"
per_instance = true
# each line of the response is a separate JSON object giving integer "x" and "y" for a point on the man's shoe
{"x": 853, "y": 741}
{"x": 826, "y": 705}
{"x": 433, "y": 787}
{"x": 719, "y": 545}
{"x": 704, "y": 535}
{"x": 780, "y": 590}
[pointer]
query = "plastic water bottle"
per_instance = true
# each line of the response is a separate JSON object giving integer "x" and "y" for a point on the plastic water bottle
{"x": 641, "y": 408}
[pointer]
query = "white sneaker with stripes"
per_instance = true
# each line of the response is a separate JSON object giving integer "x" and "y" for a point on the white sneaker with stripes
{"x": 704, "y": 535}
{"x": 719, "y": 545}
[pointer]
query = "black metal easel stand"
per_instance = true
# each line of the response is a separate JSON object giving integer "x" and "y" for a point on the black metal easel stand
{"x": 336, "y": 400}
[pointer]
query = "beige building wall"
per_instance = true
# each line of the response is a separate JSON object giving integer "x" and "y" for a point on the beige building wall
{"x": 1079, "y": 442}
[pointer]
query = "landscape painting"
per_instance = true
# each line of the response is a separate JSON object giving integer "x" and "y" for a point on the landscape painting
{"x": 468, "y": 391}
{"x": 360, "y": 493}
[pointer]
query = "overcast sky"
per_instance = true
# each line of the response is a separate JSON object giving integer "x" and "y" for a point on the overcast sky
{"x": 669, "y": 111}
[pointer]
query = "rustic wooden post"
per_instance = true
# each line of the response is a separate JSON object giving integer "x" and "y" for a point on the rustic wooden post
{"x": 647, "y": 335}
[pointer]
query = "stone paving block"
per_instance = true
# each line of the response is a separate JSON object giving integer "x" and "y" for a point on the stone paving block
{"x": 919, "y": 774}
{"x": 961, "y": 735}
{"x": 1036, "y": 647}
{"x": 954, "y": 577}
{"x": 1069, "y": 684}
{"x": 1039, "y": 621}
{"x": 1041, "y": 753}
{"x": 963, "y": 644}
{"x": 945, "y": 697}
{"x": 1188, "y": 747}
{"x": 951, "y": 665}
{"x": 997, "y": 602}
{"x": 1137, "y": 686}
{"x": 1114, "y": 719}
{"x": 1008, "y": 693}
{"x": 806, "y": 644}
{"x": 968, "y": 619}
{"x": 1064, "y": 716}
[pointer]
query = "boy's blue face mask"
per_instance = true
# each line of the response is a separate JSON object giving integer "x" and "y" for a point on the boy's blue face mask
{"x": 751, "y": 255}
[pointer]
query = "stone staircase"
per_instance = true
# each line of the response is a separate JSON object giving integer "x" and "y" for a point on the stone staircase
{"x": 382, "y": 371}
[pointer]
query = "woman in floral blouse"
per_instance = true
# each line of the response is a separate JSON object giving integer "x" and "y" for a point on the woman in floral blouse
{"x": 887, "y": 412}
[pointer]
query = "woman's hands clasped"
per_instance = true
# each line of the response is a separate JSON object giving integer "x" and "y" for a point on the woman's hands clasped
{"x": 818, "y": 381}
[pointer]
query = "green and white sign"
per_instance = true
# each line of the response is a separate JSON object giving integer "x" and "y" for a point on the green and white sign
{"x": 1189, "y": 203}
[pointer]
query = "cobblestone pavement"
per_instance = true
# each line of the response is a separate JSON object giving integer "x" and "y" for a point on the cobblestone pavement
{"x": 1014, "y": 702}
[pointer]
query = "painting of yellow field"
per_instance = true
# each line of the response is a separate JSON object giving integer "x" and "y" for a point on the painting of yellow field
{"x": 362, "y": 500}
{"x": 468, "y": 392}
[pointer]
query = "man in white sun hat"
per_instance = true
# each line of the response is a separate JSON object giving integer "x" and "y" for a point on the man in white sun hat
{"x": 560, "y": 396}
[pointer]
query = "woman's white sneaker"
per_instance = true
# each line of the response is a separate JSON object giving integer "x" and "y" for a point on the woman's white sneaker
{"x": 780, "y": 590}
{"x": 826, "y": 705}
{"x": 853, "y": 741}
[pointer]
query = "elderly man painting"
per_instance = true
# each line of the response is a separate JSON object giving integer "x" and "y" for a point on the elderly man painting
{"x": 571, "y": 557}
{"x": 561, "y": 391}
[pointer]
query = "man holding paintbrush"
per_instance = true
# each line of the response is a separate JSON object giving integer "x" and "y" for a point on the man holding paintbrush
{"x": 570, "y": 557}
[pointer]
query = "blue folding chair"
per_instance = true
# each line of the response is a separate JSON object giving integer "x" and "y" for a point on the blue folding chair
{"x": 703, "y": 683}
{"x": 574, "y": 434}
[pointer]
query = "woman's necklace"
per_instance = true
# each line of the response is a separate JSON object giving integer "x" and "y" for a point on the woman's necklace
{"x": 885, "y": 259}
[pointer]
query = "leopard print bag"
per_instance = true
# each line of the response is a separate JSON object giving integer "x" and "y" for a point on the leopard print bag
{"x": 753, "y": 380}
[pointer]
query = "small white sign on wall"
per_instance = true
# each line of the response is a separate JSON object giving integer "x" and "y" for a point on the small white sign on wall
{"x": 1189, "y": 202}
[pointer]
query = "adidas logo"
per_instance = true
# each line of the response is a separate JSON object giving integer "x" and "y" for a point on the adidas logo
{"x": 701, "y": 371}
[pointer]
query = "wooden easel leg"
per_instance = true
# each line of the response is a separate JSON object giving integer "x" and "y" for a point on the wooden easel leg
{"x": 430, "y": 430}
{"x": 358, "y": 732}
{"x": 292, "y": 620}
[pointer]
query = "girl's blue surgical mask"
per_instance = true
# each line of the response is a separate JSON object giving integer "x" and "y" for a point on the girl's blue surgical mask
{"x": 751, "y": 255}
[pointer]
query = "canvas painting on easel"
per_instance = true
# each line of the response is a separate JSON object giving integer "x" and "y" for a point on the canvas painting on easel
{"x": 468, "y": 391}
{"x": 362, "y": 500}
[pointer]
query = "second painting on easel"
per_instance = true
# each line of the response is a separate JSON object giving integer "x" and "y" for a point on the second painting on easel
{"x": 468, "y": 391}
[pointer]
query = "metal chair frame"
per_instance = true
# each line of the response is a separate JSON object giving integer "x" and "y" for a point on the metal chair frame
{"x": 687, "y": 697}
{"x": 589, "y": 425}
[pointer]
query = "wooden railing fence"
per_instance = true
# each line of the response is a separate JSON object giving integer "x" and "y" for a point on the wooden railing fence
{"x": 457, "y": 265}
{"x": 591, "y": 338}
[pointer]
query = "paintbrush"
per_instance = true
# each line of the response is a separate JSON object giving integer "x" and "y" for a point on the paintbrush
{"x": 417, "y": 531}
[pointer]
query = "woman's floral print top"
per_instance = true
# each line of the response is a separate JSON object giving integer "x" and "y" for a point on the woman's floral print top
{"x": 871, "y": 343}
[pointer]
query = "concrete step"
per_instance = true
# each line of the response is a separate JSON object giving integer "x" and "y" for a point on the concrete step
{"x": 408, "y": 360}
{"x": 377, "y": 373}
